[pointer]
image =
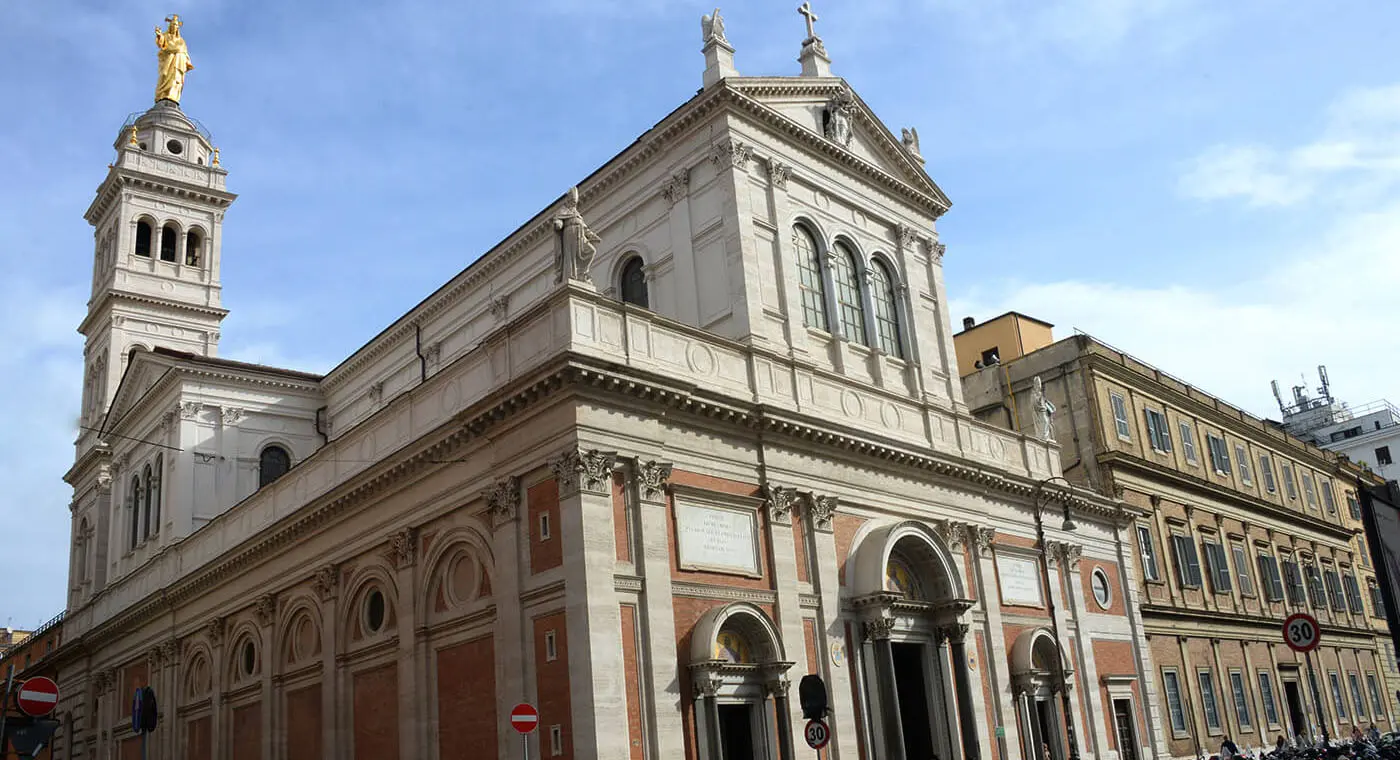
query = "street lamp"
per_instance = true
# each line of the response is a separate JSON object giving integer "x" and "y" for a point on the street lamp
{"x": 1067, "y": 525}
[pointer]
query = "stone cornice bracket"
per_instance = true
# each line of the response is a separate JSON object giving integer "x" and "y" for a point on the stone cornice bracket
{"x": 822, "y": 510}
{"x": 189, "y": 409}
{"x": 783, "y": 503}
{"x": 778, "y": 173}
{"x": 651, "y": 478}
{"x": 583, "y": 470}
{"x": 230, "y": 415}
{"x": 266, "y": 609}
{"x": 503, "y": 499}
{"x": 214, "y": 631}
{"x": 677, "y": 187}
{"x": 326, "y": 582}
{"x": 984, "y": 537}
{"x": 731, "y": 153}
{"x": 403, "y": 548}
{"x": 879, "y": 628}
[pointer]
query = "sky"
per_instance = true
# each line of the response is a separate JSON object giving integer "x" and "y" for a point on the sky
{"x": 1211, "y": 187}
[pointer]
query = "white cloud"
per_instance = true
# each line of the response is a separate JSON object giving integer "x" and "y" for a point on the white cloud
{"x": 1354, "y": 158}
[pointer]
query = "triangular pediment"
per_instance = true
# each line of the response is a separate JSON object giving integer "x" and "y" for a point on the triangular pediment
{"x": 141, "y": 375}
{"x": 804, "y": 102}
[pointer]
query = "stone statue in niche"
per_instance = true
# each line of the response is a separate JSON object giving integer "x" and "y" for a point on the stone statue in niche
{"x": 577, "y": 243}
{"x": 837, "y": 123}
{"x": 1044, "y": 410}
{"x": 712, "y": 27}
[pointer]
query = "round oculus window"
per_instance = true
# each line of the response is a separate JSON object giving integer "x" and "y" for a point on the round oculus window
{"x": 1099, "y": 582}
{"x": 250, "y": 658}
{"x": 175, "y": 147}
{"x": 374, "y": 610}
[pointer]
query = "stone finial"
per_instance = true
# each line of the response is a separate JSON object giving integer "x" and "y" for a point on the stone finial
{"x": 909, "y": 136}
{"x": 214, "y": 162}
{"x": 719, "y": 54}
{"x": 813, "y": 57}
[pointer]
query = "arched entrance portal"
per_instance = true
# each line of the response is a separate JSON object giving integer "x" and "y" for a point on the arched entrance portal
{"x": 736, "y": 665}
{"x": 1041, "y": 678}
{"x": 912, "y": 662}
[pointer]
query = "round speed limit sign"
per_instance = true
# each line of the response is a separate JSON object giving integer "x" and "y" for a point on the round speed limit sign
{"x": 817, "y": 734}
{"x": 1301, "y": 632}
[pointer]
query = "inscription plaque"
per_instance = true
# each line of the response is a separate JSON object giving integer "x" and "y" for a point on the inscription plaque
{"x": 717, "y": 538}
{"x": 1020, "y": 581}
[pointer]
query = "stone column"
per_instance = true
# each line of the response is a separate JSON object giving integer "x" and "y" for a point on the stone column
{"x": 706, "y": 687}
{"x": 970, "y": 719}
{"x": 403, "y": 548}
{"x": 513, "y": 641}
{"x": 778, "y": 689}
{"x": 659, "y": 618}
{"x": 326, "y": 584}
{"x": 878, "y": 631}
{"x": 945, "y": 700}
{"x": 782, "y": 505}
{"x": 591, "y": 603}
{"x": 265, "y": 609}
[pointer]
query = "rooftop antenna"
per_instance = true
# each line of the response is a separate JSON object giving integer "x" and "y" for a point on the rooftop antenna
{"x": 1324, "y": 390}
{"x": 1281, "y": 408}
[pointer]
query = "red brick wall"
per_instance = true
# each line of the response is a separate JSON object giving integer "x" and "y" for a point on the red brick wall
{"x": 304, "y": 722}
{"x": 131, "y": 748}
{"x": 765, "y": 560}
{"x": 1115, "y": 588}
{"x": 799, "y": 543}
{"x": 552, "y": 683}
{"x": 634, "y": 692}
{"x": 466, "y": 684}
{"x": 376, "y": 717}
{"x": 620, "y": 531}
{"x": 199, "y": 739}
{"x": 844, "y": 529}
{"x": 809, "y": 639}
{"x": 688, "y": 612}
{"x": 544, "y": 553}
{"x": 245, "y": 731}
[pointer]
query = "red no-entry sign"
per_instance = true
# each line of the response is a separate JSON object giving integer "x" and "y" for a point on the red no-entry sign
{"x": 37, "y": 697}
{"x": 524, "y": 718}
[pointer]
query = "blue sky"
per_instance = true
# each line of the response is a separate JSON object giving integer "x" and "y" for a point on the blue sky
{"x": 1214, "y": 187}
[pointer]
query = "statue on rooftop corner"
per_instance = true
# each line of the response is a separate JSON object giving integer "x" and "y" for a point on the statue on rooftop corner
{"x": 910, "y": 138}
{"x": 712, "y": 27}
{"x": 577, "y": 243}
{"x": 174, "y": 61}
{"x": 1044, "y": 410}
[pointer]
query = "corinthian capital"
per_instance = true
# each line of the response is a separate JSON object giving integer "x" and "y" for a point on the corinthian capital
{"x": 583, "y": 470}
{"x": 651, "y": 478}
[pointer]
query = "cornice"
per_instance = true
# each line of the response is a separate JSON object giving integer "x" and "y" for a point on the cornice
{"x": 1171, "y": 617}
{"x": 118, "y": 179}
{"x": 1242, "y": 501}
{"x": 96, "y": 313}
{"x": 177, "y": 373}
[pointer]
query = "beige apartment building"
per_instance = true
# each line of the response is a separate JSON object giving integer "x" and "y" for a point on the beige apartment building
{"x": 1243, "y": 525}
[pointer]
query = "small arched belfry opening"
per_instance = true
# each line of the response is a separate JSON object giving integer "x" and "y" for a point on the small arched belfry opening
{"x": 736, "y": 664}
{"x": 1040, "y": 680}
{"x": 912, "y": 661}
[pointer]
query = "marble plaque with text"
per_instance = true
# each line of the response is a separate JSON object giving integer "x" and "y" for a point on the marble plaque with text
{"x": 716, "y": 538}
{"x": 1020, "y": 580}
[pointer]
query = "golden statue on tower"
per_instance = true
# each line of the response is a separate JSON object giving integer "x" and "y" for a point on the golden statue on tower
{"x": 174, "y": 61}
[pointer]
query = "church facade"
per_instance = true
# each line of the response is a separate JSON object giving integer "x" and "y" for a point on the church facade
{"x": 691, "y": 433}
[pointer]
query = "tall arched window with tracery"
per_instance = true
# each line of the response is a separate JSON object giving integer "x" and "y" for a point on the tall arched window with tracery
{"x": 809, "y": 279}
{"x": 273, "y": 463}
{"x": 133, "y": 505}
{"x": 634, "y": 283}
{"x": 146, "y": 501}
{"x": 851, "y": 309}
{"x": 882, "y": 295}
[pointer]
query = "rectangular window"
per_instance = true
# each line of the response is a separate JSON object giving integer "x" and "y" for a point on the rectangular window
{"x": 1242, "y": 570}
{"x": 1266, "y": 471}
{"x": 1266, "y": 692}
{"x": 1219, "y": 456}
{"x": 1242, "y": 459}
{"x": 1120, "y": 416}
{"x": 1289, "y": 487}
{"x": 1315, "y": 593}
{"x": 1208, "y": 704}
{"x": 551, "y": 648}
{"x": 1327, "y": 500}
{"x": 1172, "y": 685}
{"x": 1293, "y": 581}
{"x": 1334, "y": 590}
{"x": 1373, "y": 686}
{"x": 1354, "y": 682}
{"x": 1217, "y": 567}
{"x": 1241, "y": 698}
{"x": 1337, "y": 700}
{"x": 1188, "y": 563}
{"x": 1308, "y": 491}
{"x": 1149, "y": 553}
{"x": 1353, "y": 506}
{"x": 1377, "y": 601}
{"x": 1188, "y": 442}
{"x": 1383, "y": 455}
{"x": 1353, "y": 595}
{"x": 544, "y": 526}
{"x": 991, "y": 356}
{"x": 556, "y": 740}
{"x": 1157, "y": 430}
{"x": 1268, "y": 578}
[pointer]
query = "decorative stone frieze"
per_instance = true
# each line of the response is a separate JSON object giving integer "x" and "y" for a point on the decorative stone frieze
{"x": 651, "y": 478}
{"x": 782, "y": 503}
{"x": 583, "y": 470}
{"x": 403, "y": 548}
{"x": 677, "y": 187}
{"x": 731, "y": 153}
{"x": 265, "y": 608}
{"x": 503, "y": 499}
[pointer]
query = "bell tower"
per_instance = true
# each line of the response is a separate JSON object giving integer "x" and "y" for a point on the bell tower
{"x": 158, "y": 221}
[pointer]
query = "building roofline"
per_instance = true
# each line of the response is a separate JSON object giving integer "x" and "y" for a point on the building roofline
{"x": 1013, "y": 312}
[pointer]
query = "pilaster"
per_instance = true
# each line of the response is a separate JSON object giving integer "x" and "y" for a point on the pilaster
{"x": 511, "y": 549}
{"x": 1003, "y": 706}
{"x": 783, "y": 507}
{"x": 831, "y": 628}
{"x": 1083, "y": 646}
{"x": 687, "y": 291}
{"x": 650, "y": 478}
{"x": 265, "y": 609}
{"x": 326, "y": 584}
{"x": 403, "y": 551}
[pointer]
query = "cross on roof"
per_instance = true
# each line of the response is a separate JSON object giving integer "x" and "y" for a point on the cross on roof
{"x": 806, "y": 10}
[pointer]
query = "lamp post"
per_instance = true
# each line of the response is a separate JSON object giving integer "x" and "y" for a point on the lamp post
{"x": 1067, "y": 525}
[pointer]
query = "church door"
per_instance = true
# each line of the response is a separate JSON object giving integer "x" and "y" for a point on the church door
{"x": 736, "y": 733}
{"x": 913, "y": 691}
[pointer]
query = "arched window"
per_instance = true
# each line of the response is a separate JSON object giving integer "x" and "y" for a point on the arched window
{"x": 192, "y": 243}
{"x": 146, "y": 501}
{"x": 634, "y": 283}
{"x": 273, "y": 463}
{"x": 143, "y": 238}
{"x": 168, "y": 237}
{"x": 848, "y": 301}
{"x": 133, "y": 505}
{"x": 809, "y": 279}
{"x": 886, "y": 311}
{"x": 155, "y": 494}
